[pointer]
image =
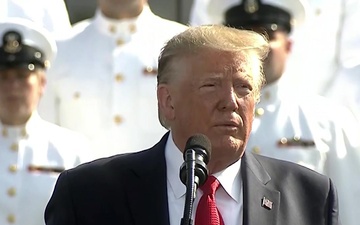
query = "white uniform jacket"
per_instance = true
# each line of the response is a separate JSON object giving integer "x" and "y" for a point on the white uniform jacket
{"x": 31, "y": 158}
{"x": 326, "y": 47}
{"x": 103, "y": 82}
{"x": 52, "y": 15}
{"x": 315, "y": 133}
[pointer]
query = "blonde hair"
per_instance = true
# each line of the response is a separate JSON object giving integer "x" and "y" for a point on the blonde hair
{"x": 252, "y": 46}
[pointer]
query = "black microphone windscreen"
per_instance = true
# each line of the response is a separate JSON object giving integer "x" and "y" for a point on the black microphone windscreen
{"x": 199, "y": 141}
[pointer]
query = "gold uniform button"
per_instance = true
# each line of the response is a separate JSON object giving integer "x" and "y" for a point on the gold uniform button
{"x": 13, "y": 168}
{"x": 120, "y": 42}
{"x": 119, "y": 77}
{"x": 132, "y": 28}
{"x": 11, "y": 192}
{"x": 256, "y": 150}
{"x": 118, "y": 119}
{"x": 14, "y": 147}
{"x": 267, "y": 95}
{"x": 4, "y": 132}
{"x": 76, "y": 95}
{"x": 259, "y": 112}
{"x": 11, "y": 218}
{"x": 23, "y": 133}
{"x": 112, "y": 29}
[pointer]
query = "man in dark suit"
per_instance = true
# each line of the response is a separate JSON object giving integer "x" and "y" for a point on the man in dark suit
{"x": 209, "y": 82}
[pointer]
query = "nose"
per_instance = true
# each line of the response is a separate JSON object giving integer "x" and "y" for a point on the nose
{"x": 13, "y": 81}
{"x": 229, "y": 100}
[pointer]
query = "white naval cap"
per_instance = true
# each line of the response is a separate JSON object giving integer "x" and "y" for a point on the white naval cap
{"x": 24, "y": 42}
{"x": 297, "y": 8}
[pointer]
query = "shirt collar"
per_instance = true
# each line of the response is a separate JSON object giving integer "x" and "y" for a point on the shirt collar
{"x": 21, "y": 130}
{"x": 230, "y": 178}
{"x": 174, "y": 160}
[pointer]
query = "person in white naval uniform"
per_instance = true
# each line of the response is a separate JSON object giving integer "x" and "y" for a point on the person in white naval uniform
{"x": 327, "y": 41}
{"x": 313, "y": 132}
{"x": 33, "y": 151}
{"x": 104, "y": 79}
{"x": 52, "y": 15}
{"x": 329, "y": 45}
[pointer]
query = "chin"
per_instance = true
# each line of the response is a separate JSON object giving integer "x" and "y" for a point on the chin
{"x": 228, "y": 142}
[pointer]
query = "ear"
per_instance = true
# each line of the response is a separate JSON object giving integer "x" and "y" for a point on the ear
{"x": 289, "y": 45}
{"x": 165, "y": 102}
{"x": 42, "y": 82}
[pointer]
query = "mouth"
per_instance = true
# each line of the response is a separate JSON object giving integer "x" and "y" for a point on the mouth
{"x": 228, "y": 125}
{"x": 13, "y": 98}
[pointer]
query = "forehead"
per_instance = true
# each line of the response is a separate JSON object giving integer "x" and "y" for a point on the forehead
{"x": 217, "y": 61}
{"x": 19, "y": 70}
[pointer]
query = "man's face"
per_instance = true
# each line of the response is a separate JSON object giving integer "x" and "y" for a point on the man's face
{"x": 212, "y": 94}
{"x": 274, "y": 64}
{"x": 20, "y": 91}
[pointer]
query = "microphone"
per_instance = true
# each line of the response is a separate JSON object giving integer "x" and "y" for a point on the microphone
{"x": 194, "y": 172}
{"x": 198, "y": 150}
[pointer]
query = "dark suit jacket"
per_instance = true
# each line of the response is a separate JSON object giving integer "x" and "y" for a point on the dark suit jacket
{"x": 131, "y": 189}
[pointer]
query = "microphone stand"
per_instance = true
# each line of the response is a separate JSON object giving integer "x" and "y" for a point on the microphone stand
{"x": 190, "y": 189}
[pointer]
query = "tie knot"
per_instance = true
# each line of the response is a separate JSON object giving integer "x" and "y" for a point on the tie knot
{"x": 210, "y": 186}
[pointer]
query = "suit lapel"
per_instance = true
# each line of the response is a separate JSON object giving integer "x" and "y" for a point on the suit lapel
{"x": 261, "y": 203}
{"x": 147, "y": 187}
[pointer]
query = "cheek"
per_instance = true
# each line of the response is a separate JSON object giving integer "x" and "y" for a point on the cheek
{"x": 36, "y": 85}
{"x": 247, "y": 107}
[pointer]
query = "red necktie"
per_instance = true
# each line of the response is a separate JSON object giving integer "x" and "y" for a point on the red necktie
{"x": 207, "y": 212}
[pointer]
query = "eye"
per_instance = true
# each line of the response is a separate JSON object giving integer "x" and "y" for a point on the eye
{"x": 209, "y": 84}
{"x": 243, "y": 89}
{"x": 243, "y": 86}
{"x": 23, "y": 74}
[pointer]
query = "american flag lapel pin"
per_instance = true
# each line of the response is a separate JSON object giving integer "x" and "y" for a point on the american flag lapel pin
{"x": 266, "y": 203}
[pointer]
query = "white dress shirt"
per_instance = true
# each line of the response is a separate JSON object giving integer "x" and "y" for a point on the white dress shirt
{"x": 229, "y": 197}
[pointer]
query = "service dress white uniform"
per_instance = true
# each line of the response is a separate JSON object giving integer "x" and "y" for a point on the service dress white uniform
{"x": 103, "y": 83}
{"x": 326, "y": 47}
{"x": 346, "y": 89}
{"x": 52, "y": 14}
{"x": 31, "y": 158}
{"x": 315, "y": 133}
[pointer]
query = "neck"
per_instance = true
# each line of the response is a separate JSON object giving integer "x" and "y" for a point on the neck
{"x": 119, "y": 13}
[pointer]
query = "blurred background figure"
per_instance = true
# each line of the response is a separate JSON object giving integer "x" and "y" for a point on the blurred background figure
{"x": 326, "y": 46}
{"x": 199, "y": 14}
{"x": 52, "y": 15}
{"x": 346, "y": 89}
{"x": 103, "y": 81}
{"x": 32, "y": 151}
{"x": 308, "y": 130}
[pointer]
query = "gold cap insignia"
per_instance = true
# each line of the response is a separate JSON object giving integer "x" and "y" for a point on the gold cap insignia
{"x": 251, "y": 6}
{"x": 12, "y": 42}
